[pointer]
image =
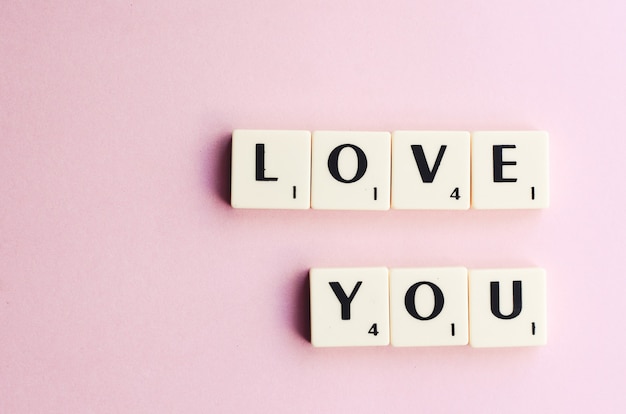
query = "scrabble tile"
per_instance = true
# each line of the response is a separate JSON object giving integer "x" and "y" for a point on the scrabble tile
{"x": 349, "y": 306}
{"x": 510, "y": 170}
{"x": 428, "y": 306}
{"x": 430, "y": 170}
{"x": 351, "y": 170}
{"x": 507, "y": 307}
{"x": 271, "y": 169}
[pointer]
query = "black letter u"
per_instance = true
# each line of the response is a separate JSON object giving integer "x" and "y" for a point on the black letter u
{"x": 517, "y": 300}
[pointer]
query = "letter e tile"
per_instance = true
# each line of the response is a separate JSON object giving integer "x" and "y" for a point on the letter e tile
{"x": 510, "y": 170}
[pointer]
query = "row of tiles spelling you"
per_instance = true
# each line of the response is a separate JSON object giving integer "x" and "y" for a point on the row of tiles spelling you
{"x": 352, "y": 170}
{"x": 427, "y": 307}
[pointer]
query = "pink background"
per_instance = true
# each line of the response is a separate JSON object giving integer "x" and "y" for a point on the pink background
{"x": 128, "y": 283}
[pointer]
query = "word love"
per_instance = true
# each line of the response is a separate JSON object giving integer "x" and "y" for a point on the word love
{"x": 351, "y": 170}
{"x": 428, "y": 307}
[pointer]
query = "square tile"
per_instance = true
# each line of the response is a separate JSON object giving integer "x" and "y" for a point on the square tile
{"x": 428, "y": 306}
{"x": 430, "y": 170}
{"x": 510, "y": 170}
{"x": 349, "y": 306}
{"x": 351, "y": 170}
{"x": 507, "y": 307}
{"x": 271, "y": 169}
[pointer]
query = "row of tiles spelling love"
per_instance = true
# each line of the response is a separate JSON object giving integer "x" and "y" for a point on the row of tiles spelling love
{"x": 428, "y": 307}
{"x": 365, "y": 170}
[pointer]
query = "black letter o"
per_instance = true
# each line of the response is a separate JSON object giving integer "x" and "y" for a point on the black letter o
{"x": 333, "y": 163}
{"x": 409, "y": 301}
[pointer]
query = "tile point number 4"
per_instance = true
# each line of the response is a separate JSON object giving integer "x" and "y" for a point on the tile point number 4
{"x": 366, "y": 170}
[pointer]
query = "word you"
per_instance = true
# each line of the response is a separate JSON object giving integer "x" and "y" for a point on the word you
{"x": 365, "y": 170}
{"x": 428, "y": 307}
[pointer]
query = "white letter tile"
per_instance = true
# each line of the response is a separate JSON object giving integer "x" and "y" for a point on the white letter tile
{"x": 349, "y": 306}
{"x": 428, "y": 306}
{"x": 271, "y": 169}
{"x": 430, "y": 170}
{"x": 510, "y": 170}
{"x": 351, "y": 170}
{"x": 507, "y": 307}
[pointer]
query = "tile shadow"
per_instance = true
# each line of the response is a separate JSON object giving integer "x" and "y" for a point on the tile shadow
{"x": 302, "y": 307}
{"x": 218, "y": 167}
